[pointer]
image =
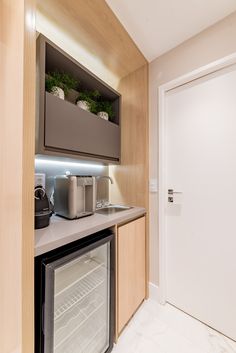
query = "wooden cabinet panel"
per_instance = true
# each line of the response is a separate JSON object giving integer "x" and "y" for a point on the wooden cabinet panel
{"x": 131, "y": 270}
{"x": 97, "y": 30}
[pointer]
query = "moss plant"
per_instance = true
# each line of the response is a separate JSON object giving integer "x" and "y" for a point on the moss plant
{"x": 90, "y": 97}
{"x": 95, "y": 103}
{"x": 105, "y": 106}
{"x": 60, "y": 79}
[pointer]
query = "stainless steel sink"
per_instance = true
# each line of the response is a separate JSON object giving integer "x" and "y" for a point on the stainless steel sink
{"x": 111, "y": 209}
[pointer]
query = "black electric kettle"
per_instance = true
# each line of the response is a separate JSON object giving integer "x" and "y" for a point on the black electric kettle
{"x": 42, "y": 208}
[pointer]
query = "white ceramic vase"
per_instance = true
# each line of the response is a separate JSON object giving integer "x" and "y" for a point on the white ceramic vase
{"x": 83, "y": 105}
{"x": 103, "y": 115}
{"x": 58, "y": 92}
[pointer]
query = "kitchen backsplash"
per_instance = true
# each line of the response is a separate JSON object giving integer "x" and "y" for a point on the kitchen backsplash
{"x": 61, "y": 166}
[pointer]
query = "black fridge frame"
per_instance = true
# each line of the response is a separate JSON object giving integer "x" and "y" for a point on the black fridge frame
{"x": 75, "y": 249}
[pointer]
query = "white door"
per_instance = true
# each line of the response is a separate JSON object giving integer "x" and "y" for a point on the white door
{"x": 201, "y": 221}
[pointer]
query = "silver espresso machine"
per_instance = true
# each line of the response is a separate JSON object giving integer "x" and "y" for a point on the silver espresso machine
{"x": 74, "y": 196}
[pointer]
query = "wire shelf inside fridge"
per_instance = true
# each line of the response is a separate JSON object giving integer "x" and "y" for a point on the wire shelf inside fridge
{"x": 69, "y": 274}
{"x": 78, "y": 315}
{"x": 79, "y": 290}
{"x": 84, "y": 337}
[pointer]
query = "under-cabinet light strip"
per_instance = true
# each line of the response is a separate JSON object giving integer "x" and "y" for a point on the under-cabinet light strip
{"x": 65, "y": 163}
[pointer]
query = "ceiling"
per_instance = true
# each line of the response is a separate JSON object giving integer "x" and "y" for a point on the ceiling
{"x": 157, "y": 26}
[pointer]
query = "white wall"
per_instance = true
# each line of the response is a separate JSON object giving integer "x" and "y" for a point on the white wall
{"x": 214, "y": 43}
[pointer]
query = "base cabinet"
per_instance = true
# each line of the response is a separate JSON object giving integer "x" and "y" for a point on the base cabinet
{"x": 131, "y": 270}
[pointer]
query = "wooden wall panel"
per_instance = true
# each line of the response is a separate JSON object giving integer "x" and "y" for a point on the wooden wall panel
{"x": 131, "y": 177}
{"x": 17, "y": 71}
{"x": 29, "y": 87}
{"x": 10, "y": 174}
{"x": 93, "y": 24}
{"x": 90, "y": 22}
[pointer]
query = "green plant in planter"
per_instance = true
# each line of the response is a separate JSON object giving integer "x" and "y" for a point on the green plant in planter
{"x": 90, "y": 97}
{"x": 60, "y": 79}
{"x": 105, "y": 106}
{"x": 95, "y": 94}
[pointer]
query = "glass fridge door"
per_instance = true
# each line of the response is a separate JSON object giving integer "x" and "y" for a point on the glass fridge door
{"x": 77, "y": 302}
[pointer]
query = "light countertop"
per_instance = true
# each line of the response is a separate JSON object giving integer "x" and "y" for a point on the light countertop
{"x": 62, "y": 231}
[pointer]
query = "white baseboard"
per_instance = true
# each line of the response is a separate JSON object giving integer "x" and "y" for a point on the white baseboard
{"x": 154, "y": 292}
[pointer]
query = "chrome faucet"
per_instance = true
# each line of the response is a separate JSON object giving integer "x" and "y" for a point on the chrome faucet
{"x": 102, "y": 203}
{"x": 104, "y": 177}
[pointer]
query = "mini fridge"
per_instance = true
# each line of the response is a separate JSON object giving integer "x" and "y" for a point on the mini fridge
{"x": 74, "y": 297}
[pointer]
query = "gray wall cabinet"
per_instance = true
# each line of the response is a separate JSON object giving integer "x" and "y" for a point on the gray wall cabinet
{"x": 64, "y": 129}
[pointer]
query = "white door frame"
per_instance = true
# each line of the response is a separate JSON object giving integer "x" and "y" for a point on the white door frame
{"x": 162, "y": 195}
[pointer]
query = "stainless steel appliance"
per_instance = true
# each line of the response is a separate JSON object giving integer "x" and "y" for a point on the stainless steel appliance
{"x": 74, "y": 297}
{"x": 74, "y": 196}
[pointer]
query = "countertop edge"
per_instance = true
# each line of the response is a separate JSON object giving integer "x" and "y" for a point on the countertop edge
{"x": 136, "y": 212}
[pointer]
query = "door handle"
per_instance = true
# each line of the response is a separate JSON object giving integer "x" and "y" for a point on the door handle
{"x": 172, "y": 192}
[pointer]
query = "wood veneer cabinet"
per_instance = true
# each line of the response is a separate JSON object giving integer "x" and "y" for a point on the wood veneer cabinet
{"x": 131, "y": 270}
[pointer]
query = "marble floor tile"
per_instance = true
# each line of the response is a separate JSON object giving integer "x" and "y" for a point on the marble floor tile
{"x": 159, "y": 328}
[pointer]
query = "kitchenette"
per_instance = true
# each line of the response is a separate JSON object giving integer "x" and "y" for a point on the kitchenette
{"x": 117, "y": 156}
{"x": 90, "y": 279}
{"x": 74, "y": 181}
{"x": 91, "y": 244}
{"x": 90, "y": 261}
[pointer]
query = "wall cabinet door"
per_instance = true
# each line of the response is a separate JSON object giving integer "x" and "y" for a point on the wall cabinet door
{"x": 131, "y": 270}
{"x": 74, "y": 130}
